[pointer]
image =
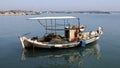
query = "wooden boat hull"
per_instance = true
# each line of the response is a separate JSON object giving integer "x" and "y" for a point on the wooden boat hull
{"x": 34, "y": 43}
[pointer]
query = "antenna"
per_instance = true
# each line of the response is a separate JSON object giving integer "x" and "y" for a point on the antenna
{"x": 78, "y": 22}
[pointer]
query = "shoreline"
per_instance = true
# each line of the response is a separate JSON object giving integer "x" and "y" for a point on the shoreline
{"x": 20, "y": 12}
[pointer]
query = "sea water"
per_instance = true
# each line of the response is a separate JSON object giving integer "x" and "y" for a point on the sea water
{"x": 103, "y": 54}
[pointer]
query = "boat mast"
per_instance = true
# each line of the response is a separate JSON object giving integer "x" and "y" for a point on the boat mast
{"x": 78, "y": 22}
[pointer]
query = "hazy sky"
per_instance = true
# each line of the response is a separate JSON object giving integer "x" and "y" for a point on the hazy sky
{"x": 62, "y": 5}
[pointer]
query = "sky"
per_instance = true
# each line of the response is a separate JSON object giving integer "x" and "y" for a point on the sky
{"x": 61, "y": 5}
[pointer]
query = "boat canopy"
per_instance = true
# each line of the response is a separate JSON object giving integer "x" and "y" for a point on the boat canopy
{"x": 46, "y": 18}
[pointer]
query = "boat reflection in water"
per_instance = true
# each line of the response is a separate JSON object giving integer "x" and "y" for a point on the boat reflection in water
{"x": 74, "y": 55}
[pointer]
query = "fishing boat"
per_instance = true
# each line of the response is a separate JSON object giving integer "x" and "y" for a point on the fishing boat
{"x": 73, "y": 33}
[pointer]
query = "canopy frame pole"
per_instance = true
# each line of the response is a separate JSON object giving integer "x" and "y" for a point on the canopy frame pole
{"x": 64, "y": 26}
{"x": 51, "y": 25}
{"x": 64, "y": 23}
{"x": 41, "y": 23}
{"x": 55, "y": 26}
{"x": 46, "y": 25}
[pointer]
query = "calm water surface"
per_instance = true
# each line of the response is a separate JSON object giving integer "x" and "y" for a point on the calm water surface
{"x": 103, "y": 54}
